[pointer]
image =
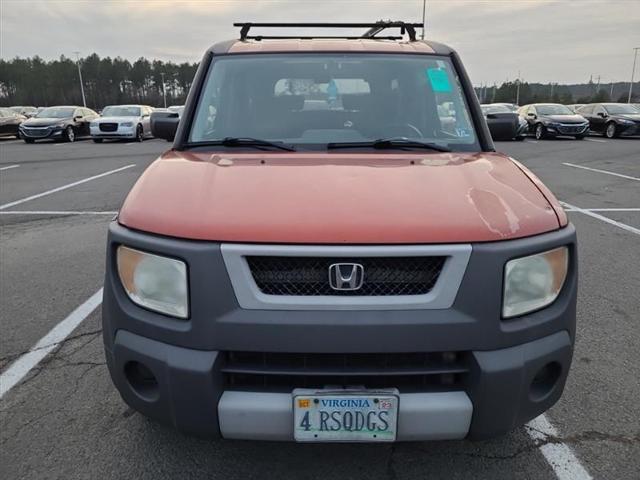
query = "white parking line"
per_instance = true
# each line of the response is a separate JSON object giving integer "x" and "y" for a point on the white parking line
{"x": 606, "y": 172}
{"x": 612, "y": 209}
{"x": 531, "y": 141}
{"x": 624, "y": 226}
{"x": 56, "y": 212}
{"x": 595, "y": 140}
{"x": 559, "y": 455}
{"x": 9, "y": 167}
{"x": 23, "y": 365}
{"x": 64, "y": 187}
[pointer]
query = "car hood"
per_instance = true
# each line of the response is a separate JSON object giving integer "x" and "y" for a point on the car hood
{"x": 566, "y": 118}
{"x": 339, "y": 198}
{"x": 44, "y": 122}
{"x": 117, "y": 119}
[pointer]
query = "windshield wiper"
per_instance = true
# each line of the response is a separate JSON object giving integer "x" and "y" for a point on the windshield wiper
{"x": 396, "y": 142}
{"x": 244, "y": 142}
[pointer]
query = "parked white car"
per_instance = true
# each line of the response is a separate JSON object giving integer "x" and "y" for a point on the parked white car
{"x": 122, "y": 122}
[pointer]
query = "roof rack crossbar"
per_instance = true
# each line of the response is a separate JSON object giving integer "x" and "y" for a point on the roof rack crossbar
{"x": 374, "y": 28}
{"x": 312, "y": 37}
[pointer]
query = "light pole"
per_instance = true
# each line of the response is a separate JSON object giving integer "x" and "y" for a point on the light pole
{"x": 518, "y": 90}
{"x": 424, "y": 14}
{"x": 84, "y": 100}
{"x": 633, "y": 71}
{"x": 164, "y": 92}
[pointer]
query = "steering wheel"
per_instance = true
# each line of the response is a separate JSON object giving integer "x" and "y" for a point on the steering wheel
{"x": 401, "y": 130}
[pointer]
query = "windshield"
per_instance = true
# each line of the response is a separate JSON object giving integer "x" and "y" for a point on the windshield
{"x": 56, "y": 112}
{"x": 311, "y": 100}
{"x": 553, "y": 110}
{"x": 496, "y": 109}
{"x": 621, "y": 109}
{"x": 121, "y": 111}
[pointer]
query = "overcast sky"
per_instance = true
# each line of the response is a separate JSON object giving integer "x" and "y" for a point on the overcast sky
{"x": 562, "y": 41}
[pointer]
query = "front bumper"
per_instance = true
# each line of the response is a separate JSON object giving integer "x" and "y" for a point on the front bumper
{"x": 567, "y": 129}
{"x": 191, "y": 396}
{"x": 121, "y": 132}
{"x": 34, "y": 133}
{"x": 514, "y": 370}
{"x": 629, "y": 130}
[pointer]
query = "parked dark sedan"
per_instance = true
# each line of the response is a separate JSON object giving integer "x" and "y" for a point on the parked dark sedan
{"x": 612, "y": 119}
{"x": 9, "y": 122}
{"x": 503, "y": 123}
{"x": 548, "y": 120}
{"x": 59, "y": 123}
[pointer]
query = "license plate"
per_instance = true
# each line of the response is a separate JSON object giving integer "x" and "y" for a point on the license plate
{"x": 345, "y": 416}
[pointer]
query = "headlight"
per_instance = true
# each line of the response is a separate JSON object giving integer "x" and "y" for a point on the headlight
{"x": 155, "y": 282}
{"x": 127, "y": 124}
{"x": 533, "y": 282}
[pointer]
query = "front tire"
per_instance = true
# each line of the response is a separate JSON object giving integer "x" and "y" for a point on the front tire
{"x": 541, "y": 132}
{"x": 29, "y": 140}
{"x": 611, "y": 130}
{"x": 580, "y": 137}
{"x": 69, "y": 134}
{"x": 139, "y": 134}
{"x": 97, "y": 140}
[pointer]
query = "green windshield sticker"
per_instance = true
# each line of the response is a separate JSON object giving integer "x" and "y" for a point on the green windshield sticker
{"x": 439, "y": 80}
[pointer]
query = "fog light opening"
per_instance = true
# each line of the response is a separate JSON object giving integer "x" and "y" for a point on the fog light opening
{"x": 545, "y": 381}
{"x": 142, "y": 380}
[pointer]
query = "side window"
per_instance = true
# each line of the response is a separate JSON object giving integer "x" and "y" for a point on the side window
{"x": 78, "y": 113}
{"x": 87, "y": 113}
{"x": 599, "y": 109}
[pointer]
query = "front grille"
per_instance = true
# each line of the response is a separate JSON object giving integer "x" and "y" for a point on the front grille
{"x": 309, "y": 276}
{"x": 571, "y": 128}
{"x": 286, "y": 371}
{"x": 36, "y": 132}
{"x": 108, "y": 127}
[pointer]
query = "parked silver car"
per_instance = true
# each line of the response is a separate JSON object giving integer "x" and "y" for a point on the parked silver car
{"x": 122, "y": 122}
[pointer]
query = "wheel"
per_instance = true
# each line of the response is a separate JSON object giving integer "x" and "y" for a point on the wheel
{"x": 28, "y": 140}
{"x": 611, "y": 131}
{"x": 139, "y": 134}
{"x": 69, "y": 134}
{"x": 580, "y": 137}
{"x": 520, "y": 138}
{"x": 540, "y": 132}
{"x": 97, "y": 140}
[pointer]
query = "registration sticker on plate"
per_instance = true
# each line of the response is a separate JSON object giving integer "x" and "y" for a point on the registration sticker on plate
{"x": 345, "y": 415}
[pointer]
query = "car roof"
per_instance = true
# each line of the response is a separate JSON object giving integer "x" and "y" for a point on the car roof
{"x": 328, "y": 45}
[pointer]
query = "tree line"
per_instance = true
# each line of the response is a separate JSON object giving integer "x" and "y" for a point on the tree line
{"x": 528, "y": 93}
{"x": 37, "y": 82}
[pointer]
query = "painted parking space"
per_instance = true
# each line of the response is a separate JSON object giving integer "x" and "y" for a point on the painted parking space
{"x": 56, "y": 249}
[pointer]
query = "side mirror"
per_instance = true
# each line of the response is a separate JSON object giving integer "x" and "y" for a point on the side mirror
{"x": 531, "y": 114}
{"x": 164, "y": 125}
{"x": 602, "y": 114}
{"x": 492, "y": 115}
{"x": 77, "y": 119}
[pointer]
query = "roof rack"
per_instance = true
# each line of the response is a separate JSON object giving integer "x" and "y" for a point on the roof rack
{"x": 374, "y": 29}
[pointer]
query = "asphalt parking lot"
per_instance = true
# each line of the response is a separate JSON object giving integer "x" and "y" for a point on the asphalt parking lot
{"x": 66, "y": 420}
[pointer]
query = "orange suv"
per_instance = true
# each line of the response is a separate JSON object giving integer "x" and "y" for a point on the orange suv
{"x": 332, "y": 250}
